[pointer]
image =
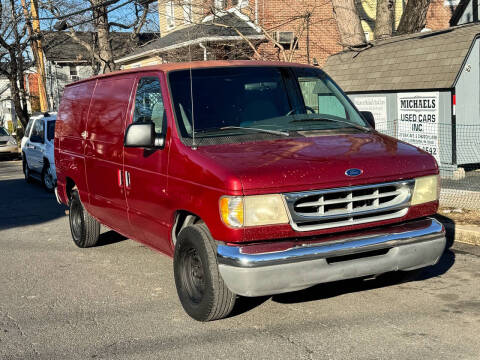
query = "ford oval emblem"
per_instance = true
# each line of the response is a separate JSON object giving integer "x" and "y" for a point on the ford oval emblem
{"x": 353, "y": 172}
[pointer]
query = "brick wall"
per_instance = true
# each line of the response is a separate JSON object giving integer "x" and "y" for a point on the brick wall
{"x": 286, "y": 15}
{"x": 31, "y": 83}
{"x": 438, "y": 15}
{"x": 323, "y": 38}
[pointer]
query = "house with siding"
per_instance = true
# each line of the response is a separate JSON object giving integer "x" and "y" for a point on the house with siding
{"x": 308, "y": 25}
{"x": 67, "y": 61}
{"x": 465, "y": 13}
{"x": 422, "y": 88}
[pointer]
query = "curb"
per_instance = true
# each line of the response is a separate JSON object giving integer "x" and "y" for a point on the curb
{"x": 460, "y": 233}
{"x": 467, "y": 234}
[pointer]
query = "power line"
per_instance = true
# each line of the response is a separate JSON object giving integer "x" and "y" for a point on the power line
{"x": 68, "y": 26}
{"x": 93, "y": 7}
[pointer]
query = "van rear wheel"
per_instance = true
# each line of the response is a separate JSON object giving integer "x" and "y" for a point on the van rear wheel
{"x": 200, "y": 287}
{"x": 84, "y": 228}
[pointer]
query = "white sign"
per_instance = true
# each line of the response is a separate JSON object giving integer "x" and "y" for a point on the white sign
{"x": 377, "y": 105}
{"x": 418, "y": 120}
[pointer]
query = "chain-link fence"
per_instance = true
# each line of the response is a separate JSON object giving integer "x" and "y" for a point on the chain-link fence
{"x": 457, "y": 151}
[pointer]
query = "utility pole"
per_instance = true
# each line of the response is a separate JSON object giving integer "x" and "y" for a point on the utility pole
{"x": 33, "y": 27}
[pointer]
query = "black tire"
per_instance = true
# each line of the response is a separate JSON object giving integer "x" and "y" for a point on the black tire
{"x": 26, "y": 171}
{"x": 200, "y": 287}
{"x": 84, "y": 228}
{"x": 47, "y": 179}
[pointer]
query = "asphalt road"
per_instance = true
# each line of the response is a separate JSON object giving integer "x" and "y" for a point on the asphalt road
{"x": 118, "y": 301}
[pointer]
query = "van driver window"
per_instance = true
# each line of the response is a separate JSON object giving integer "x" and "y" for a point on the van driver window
{"x": 149, "y": 104}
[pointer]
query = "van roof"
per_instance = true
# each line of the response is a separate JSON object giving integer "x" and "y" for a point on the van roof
{"x": 193, "y": 65}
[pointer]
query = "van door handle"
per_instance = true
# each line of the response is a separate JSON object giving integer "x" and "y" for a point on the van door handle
{"x": 127, "y": 179}
{"x": 120, "y": 178}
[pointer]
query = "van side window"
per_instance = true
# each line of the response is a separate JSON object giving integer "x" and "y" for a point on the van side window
{"x": 320, "y": 98}
{"x": 149, "y": 104}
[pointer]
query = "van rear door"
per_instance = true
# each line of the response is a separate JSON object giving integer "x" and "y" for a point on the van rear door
{"x": 146, "y": 169}
{"x": 104, "y": 151}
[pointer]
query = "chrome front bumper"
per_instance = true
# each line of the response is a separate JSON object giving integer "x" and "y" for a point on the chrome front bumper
{"x": 256, "y": 270}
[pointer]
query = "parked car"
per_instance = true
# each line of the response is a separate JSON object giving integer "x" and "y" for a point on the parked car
{"x": 257, "y": 178}
{"x": 8, "y": 144}
{"x": 37, "y": 150}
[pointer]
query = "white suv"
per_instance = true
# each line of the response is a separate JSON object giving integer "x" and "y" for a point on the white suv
{"x": 37, "y": 150}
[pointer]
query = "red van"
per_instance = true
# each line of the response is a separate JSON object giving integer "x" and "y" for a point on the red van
{"x": 257, "y": 178}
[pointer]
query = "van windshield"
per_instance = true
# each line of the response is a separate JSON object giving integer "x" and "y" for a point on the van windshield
{"x": 271, "y": 101}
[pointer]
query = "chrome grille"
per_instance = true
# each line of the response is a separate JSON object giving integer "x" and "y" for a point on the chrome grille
{"x": 322, "y": 209}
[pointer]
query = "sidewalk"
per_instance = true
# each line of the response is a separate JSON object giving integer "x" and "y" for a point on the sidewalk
{"x": 460, "y": 233}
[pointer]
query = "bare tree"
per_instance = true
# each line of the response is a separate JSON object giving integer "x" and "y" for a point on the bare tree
{"x": 384, "y": 19}
{"x": 348, "y": 21}
{"x": 299, "y": 21}
{"x": 414, "y": 16}
{"x": 98, "y": 19}
{"x": 13, "y": 44}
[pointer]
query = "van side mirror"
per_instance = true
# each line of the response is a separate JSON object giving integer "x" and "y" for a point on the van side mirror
{"x": 143, "y": 135}
{"x": 367, "y": 115}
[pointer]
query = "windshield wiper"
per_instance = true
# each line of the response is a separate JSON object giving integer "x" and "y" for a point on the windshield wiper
{"x": 359, "y": 127}
{"x": 274, "y": 132}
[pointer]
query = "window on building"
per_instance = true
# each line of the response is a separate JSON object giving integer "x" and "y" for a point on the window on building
{"x": 170, "y": 14}
{"x": 187, "y": 11}
{"x": 220, "y": 4}
{"x": 72, "y": 69}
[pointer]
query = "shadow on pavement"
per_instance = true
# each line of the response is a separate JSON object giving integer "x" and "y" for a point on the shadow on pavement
{"x": 25, "y": 204}
{"x": 109, "y": 237}
{"x": 333, "y": 289}
{"x": 449, "y": 225}
{"x": 329, "y": 290}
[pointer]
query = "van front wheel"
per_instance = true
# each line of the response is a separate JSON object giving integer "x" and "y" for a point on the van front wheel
{"x": 200, "y": 287}
{"x": 84, "y": 228}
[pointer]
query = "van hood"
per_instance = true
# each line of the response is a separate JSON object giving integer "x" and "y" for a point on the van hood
{"x": 296, "y": 164}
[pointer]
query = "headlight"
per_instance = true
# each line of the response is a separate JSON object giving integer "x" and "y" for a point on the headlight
{"x": 231, "y": 211}
{"x": 12, "y": 142}
{"x": 426, "y": 189}
{"x": 253, "y": 210}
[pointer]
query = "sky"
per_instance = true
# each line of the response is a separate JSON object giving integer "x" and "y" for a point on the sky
{"x": 124, "y": 14}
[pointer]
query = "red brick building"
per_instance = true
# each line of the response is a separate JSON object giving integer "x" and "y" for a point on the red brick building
{"x": 307, "y": 29}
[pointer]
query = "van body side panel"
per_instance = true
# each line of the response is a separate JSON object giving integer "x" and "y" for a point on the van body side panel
{"x": 147, "y": 196}
{"x": 188, "y": 177}
{"x": 69, "y": 144}
{"x": 104, "y": 151}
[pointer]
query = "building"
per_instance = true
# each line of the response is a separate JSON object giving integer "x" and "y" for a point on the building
{"x": 8, "y": 118}
{"x": 223, "y": 36}
{"x": 465, "y": 13}
{"x": 422, "y": 88}
{"x": 306, "y": 29}
{"x": 68, "y": 61}
{"x": 7, "y": 110}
